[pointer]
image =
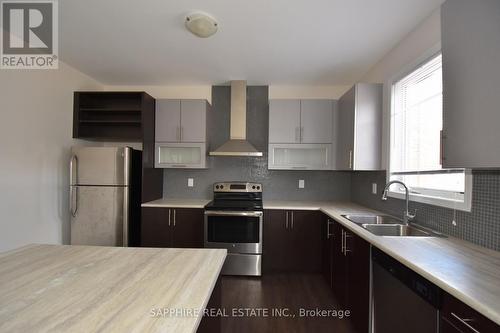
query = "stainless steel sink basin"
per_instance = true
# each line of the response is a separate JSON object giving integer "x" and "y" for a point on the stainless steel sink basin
{"x": 386, "y": 225}
{"x": 396, "y": 230}
{"x": 372, "y": 219}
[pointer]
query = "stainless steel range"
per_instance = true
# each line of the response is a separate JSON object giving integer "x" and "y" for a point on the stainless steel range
{"x": 233, "y": 221}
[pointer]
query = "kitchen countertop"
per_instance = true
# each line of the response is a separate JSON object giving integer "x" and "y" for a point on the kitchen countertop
{"x": 466, "y": 271}
{"x": 62, "y": 288}
{"x": 177, "y": 203}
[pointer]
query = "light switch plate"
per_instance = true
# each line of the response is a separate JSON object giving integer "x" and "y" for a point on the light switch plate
{"x": 190, "y": 182}
{"x": 301, "y": 183}
{"x": 374, "y": 188}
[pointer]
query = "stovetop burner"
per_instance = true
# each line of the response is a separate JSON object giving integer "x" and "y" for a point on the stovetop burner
{"x": 236, "y": 196}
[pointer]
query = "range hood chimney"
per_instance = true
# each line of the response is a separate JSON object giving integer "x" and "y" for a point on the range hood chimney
{"x": 237, "y": 144}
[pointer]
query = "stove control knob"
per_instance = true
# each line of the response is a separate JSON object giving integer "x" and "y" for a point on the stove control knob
{"x": 217, "y": 187}
{"x": 258, "y": 187}
{"x": 221, "y": 187}
{"x": 253, "y": 187}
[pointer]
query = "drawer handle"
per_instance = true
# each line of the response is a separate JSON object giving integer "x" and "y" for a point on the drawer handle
{"x": 465, "y": 322}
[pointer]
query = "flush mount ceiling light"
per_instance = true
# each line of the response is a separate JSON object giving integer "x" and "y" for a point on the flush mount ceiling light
{"x": 201, "y": 24}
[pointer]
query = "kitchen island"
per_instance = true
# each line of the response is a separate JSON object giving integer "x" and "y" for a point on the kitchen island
{"x": 60, "y": 288}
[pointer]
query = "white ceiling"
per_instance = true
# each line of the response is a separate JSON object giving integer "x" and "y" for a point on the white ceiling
{"x": 280, "y": 42}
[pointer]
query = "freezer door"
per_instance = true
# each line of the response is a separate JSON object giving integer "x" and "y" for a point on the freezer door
{"x": 107, "y": 166}
{"x": 99, "y": 215}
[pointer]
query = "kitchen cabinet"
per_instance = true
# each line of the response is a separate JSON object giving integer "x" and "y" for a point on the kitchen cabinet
{"x": 300, "y": 157}
{"x": 359, "y": 128}
{"x": 292, "y": 241}
{"x": 301, "y": 134}
{"x": 470, "y": 42}
{"x": 327, "y": 249}
{"x": 351, "y": 275}
{"x": 181, "y": 120}
{"x": 115, "y": 115}
{"x": 457, "y": 317}
{"x": 181, "y": 133}
{"x": 172, "y": 227}
{"x": 284, "y": 121}
{"x": 301, "y": 121}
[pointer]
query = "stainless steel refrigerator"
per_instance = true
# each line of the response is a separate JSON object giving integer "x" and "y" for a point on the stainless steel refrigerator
{"x": 105, "y": 196}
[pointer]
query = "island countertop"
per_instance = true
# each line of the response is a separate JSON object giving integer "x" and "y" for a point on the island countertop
{"x": 61, "y": 288}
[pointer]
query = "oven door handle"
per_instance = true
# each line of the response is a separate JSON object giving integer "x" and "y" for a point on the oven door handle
{"x": 228, "y": 213}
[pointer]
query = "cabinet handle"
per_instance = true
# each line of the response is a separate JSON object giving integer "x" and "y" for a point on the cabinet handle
{"x": 328, "y": 234}
{"x": 350, "y": 159}
{"x": 177, "y": 133}
{"x": 342, "y": 241}
{"x": 345, "y": 243}
{"x": 174, "y": 217}
{"x": 301, "y": 133}
{"x": 291, "y": 221}
{"x": 441, "y": 147}
{"x": 169, "y": 217}
{"x": 297, "y": 134}
{"x": 465, "y": 322}
{"x": 182, "y": 132}
{"x": 286, "y": 220}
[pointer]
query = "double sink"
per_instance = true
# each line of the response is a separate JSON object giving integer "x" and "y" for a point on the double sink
{"x": 385, "y": 225}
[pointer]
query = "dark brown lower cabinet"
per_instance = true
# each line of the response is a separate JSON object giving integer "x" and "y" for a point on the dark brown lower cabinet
{"x": 172, "y": 227}
{"x": 327, "y": 249}
{"x": 292, "y": 241}
{"x": 351, "y": 275}
{"x": 212, "y": 321}
{"x": 457, "y": 317}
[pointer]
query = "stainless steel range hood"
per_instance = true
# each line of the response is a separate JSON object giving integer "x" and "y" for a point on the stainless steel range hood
{"x": 237, "y": 144}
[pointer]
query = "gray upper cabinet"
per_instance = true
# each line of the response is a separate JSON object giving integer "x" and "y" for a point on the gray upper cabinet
{"x": 316, "y": 121}
{"x": 300, "y": 121}
{"x": 193, "y": 120}
{"x": 284, "y": 121}
{"x": 181, "y": 120}
{"x": 359, "y": 128}
{"x": 181, "y": 133}
{"x": 167, "y": 120}
{"x": 471, "y": 70}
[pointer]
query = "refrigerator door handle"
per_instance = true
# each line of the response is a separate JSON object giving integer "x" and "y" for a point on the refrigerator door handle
{"x": 125, "y": 216}
{"x": 73, "y": 191}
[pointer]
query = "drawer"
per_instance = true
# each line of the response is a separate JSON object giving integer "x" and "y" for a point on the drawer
{"x": 455, "y": 314}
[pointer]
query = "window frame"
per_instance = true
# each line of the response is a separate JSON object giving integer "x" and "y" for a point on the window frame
{"x": 418, "y": 197}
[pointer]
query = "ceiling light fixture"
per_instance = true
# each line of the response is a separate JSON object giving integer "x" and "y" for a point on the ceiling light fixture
{"x": 201, "y": 24}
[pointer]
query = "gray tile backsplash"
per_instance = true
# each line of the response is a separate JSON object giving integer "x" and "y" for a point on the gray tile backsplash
{"x": 480, "y": 226}
{"x": 319, "y": 185}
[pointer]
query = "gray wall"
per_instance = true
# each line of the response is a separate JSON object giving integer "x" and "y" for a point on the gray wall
{"x": 279, "y": 185}
{"x": 481, "y": 226}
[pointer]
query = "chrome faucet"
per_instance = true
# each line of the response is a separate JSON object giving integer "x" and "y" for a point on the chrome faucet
{"x": 407, "y": 217}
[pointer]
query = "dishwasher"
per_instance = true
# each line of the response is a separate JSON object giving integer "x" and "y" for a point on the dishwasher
{"x": 402, "y": 300}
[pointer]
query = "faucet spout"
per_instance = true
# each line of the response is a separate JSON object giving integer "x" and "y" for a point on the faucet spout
{"x": 407, "y": 216}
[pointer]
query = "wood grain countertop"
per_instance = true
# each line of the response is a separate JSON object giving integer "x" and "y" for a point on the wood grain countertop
{"x": 62, "y": 288}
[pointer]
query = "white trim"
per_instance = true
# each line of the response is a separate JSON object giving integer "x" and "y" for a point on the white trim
{"x": 465, "y": 205}
{"x": 387, "y": 138}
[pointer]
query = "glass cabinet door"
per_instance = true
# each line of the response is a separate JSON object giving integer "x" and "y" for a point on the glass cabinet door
{"x": 179, "y": 155}
{"x": 300, "y": 156}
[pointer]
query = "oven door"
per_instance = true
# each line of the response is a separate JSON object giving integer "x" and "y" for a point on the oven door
{"x": 238, "y": 232}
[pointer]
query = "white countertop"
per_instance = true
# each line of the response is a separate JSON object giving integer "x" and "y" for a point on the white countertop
{"x": 469, "y": 272}
{"x": 62, "y": 288}
{"x": 177, "y": 203}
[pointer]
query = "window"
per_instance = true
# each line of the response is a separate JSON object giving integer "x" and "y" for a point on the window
{"x": 416, "y": 123}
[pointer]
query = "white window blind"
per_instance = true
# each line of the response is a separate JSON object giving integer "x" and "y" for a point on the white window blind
{"x": 416, "y": 125}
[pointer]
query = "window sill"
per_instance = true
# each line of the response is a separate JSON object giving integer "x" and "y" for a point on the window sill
{"x": 435, "y": 201}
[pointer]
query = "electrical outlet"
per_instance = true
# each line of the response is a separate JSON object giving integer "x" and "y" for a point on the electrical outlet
{"x": 190, "y": 182}
{"x": 374, "y": 188}
{"x": 301, "y": 183}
